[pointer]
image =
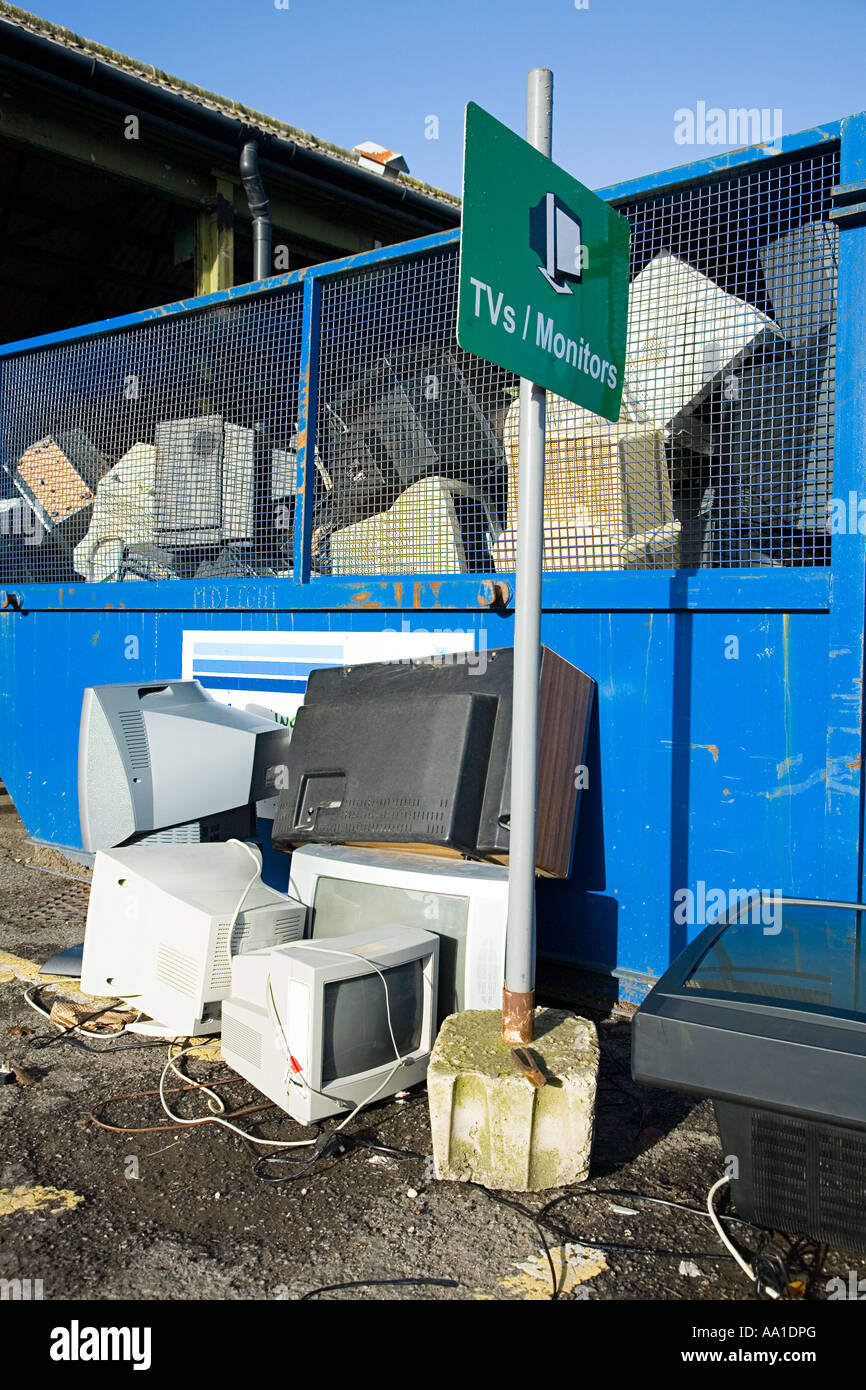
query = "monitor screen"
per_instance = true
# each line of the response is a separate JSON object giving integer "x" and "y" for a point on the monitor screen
{"x": 355, "y": 1033}
{"x": 343, "y": 906}
{"x": 800, "y": 953}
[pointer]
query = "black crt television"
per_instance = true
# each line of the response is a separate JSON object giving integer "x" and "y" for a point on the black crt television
{"x": 764, "y": 1012}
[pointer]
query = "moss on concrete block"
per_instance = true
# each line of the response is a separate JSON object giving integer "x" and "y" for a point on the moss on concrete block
{"x": 490, "y": 1125}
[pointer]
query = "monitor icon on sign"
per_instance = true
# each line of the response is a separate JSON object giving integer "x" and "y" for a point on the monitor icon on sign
{"x": 554, "y": 235}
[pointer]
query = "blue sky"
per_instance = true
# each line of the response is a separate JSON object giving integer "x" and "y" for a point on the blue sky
{"x": 351, "y": 71}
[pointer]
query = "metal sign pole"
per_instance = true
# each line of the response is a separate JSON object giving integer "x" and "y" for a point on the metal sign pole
{"x": 518, "y": 996}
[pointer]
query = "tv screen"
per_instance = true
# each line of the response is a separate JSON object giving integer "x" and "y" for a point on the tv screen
{"x": 343, "y": 906}
{"x": 766, "y": 1010}
{"x": 802, "y": 953}
{"x": 356, "y": 1036}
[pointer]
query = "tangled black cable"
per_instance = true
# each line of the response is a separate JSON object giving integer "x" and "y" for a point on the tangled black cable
{"x": 774, "y": 1269}
{"x": 536, "y": 1217}
{"x": 331, "y": 1144}
{"x": 780, "y": 1271}
{"x": 525, "y": 1211}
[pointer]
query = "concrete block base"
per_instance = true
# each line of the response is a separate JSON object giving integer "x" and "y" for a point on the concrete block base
{"x": 490, "y": 1125}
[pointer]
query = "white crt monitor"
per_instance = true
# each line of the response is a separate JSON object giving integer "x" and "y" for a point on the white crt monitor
{"x": 158, "y": 928}
{"x": 310, "y": 1025}
{"x": 165, "y": 759}
{"x": 464, "y": 903}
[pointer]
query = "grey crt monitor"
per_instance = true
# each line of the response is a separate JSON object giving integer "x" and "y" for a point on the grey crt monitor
{"x": 165, "y": 758}
{"x": 324, "y": 1026}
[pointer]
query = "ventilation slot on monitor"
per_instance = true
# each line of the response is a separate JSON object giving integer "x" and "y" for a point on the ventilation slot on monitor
{"x": 132, "y": 724}
{"x": 221, "y": 974}
{"x": 176, "y": 970}
{"x": 187, "y": 834}
{"x": 287, "y": 927}
{"x": 244, "y": 1041}
{"x": 810, "y": 1179}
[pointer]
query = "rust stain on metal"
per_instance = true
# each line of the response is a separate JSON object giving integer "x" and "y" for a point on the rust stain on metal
{"x": 712, "y": 748}
{"x": 493, "y": 593}
{"x": 302, "y": 443}
{"x": 855, "y": 765}
{"x": 518, "y": 1017}
{"x": 528, "y": 1064}
{"x": 363, "y": 599}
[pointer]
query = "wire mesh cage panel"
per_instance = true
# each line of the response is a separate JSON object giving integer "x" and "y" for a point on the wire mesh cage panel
{"x": 412, "y": 473}
{"x": 722, "y": 455}
{"x": 166, "y": 450}
{"x": 169, "y": 449}
{"x": 730, "y": 365}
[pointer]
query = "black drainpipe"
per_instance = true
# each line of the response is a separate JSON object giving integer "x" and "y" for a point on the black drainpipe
{"x": 260, "y": 209}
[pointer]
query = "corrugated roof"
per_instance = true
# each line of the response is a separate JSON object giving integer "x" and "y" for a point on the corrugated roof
{"x": 23, "y": 19}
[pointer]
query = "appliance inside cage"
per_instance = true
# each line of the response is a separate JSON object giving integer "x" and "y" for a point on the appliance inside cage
{"x": 171, "y": 449}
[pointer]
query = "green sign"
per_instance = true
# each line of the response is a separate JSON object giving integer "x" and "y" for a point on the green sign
{"x": 543, "y": 270}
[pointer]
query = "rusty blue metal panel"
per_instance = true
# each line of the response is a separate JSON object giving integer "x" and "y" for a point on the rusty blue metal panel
{"x": 758, "y": 590}
{"x": 727, "y": 748}
{"x": 705, "y": 765}
{"x": 707, "y": 775}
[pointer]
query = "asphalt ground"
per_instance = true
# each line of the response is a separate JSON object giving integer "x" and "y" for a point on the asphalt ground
{"x": 143, "y": 1211}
